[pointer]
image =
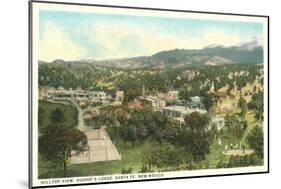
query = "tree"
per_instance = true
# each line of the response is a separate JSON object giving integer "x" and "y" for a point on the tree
{"x": 58, "y": 143}
{"x": 240, "y": 161}
{"x": 257, "y": 105}
{"x": 41, "y": 113}
{"x": 255, "y": 140}
{"x": 132, "y": 134}
{"x": 149, "y": 160}
{"x": 116, "y": 125}
{"x": 171, "y": 132}
{"x": 57, "y": 116}
{"x": 208, "y": 100}
{"x": 235, "y": 126}
{"x": 123, "y": 133}
{"x": 161, "y": 127}
{"x": 243, "y": 105}
{"x": 185, "y": 94}
{"x": 141, "y": 131}
{"x": 166, "y": 156}
{"x": 196, "y": 137}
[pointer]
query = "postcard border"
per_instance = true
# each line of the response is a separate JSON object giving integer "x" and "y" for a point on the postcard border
{"x": 30, "y": 91}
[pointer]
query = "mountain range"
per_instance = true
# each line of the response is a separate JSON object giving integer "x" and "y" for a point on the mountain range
{"x": 251, "y": 53}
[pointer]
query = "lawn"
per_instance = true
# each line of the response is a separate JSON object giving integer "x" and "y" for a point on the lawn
{"x": 131, "y": 158}
{"x": 70, "y": 113}
{"x": 216, "y": 151}
{"x": 70, "y": 118}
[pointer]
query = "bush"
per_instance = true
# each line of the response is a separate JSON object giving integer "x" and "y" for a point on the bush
{"x": 127, "y": 171}
{"x": 241, "y": 161}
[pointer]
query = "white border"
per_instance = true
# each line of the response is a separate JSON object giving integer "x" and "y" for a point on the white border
{"x": 37, "y": 6}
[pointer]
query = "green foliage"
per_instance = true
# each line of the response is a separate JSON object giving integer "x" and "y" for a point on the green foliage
{"x": 146, "y": 123}
{"x": 159, "y": 158}
{"x": 41, "y": 113}
{"x": 139, "y": 127}
{"x": 197, "y": 123}
{"x": 45, "y": 109}
{"x": 196, "y": 137}
{"x": 129, "y": 170}
{"x": 57, "y": 143}
{"x": 57, "y": 116}
{"x": 243, "y": 105}
{"x": 236, "y": 125}
{"x": 69, "y": 77}
{"x": 255, "y": 140}
{"x": 131, "y": 81}
{"x": 241, "y": 161}
{"x": 132, "y": 134}
{"x": 209, "y": 100}
{"x": 257, "y": 105}
{"x": 97, "y": 122}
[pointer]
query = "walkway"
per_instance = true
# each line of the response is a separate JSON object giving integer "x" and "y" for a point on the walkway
{"x": 239, "y": 152}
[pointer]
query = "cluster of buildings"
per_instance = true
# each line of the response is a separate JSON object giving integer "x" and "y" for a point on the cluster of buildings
{"x": 178, "y": 112}
{"x": 156, "y": 102}
{"x": 82, "y": 95}
{"x": 159, "y": 102}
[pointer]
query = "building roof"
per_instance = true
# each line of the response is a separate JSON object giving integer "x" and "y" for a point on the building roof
{"x": 177, "y": 108}
{"x": 180, "y": 119}
{"x": 184, "y": 109}
{"x": 75, "y": 91}
{"x": 173, "y": 92}
{"x": 150, "y": 98}
{"x": 195, "y": 98}
{"x": 218, "y": 119}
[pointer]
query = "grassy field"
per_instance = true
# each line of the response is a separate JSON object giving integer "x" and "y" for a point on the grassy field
{"x": 70, "y": 118}
{"x": 131, "y": 158}
{"x": 70, "y": 113}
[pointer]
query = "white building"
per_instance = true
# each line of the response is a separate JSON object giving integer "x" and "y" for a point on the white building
{"x": 173, "y": 95}
{"x": 79, "y": 94}
{"x": 156, "y": 102}
{"x": 178, "y": 113}
{"x": 195, "y": 101}
{"x": 119, "y": 96}
{"x": 219, "y": 122}
{"x": 97, "y": 96}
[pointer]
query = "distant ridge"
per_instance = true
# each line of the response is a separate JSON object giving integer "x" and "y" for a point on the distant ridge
{"x": 250, "y": 52}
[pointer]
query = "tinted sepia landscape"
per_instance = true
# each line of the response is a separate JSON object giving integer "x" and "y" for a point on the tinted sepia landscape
{"x": 144, "y": 94}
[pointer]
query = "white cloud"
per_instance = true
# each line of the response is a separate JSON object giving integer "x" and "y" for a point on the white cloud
{"x": 118, "y": 40}
{"x": 55, "y": 44}
{"x": 150, "y": 41}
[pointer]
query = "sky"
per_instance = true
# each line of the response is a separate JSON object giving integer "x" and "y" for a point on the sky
{"x": 75, "y": 36}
